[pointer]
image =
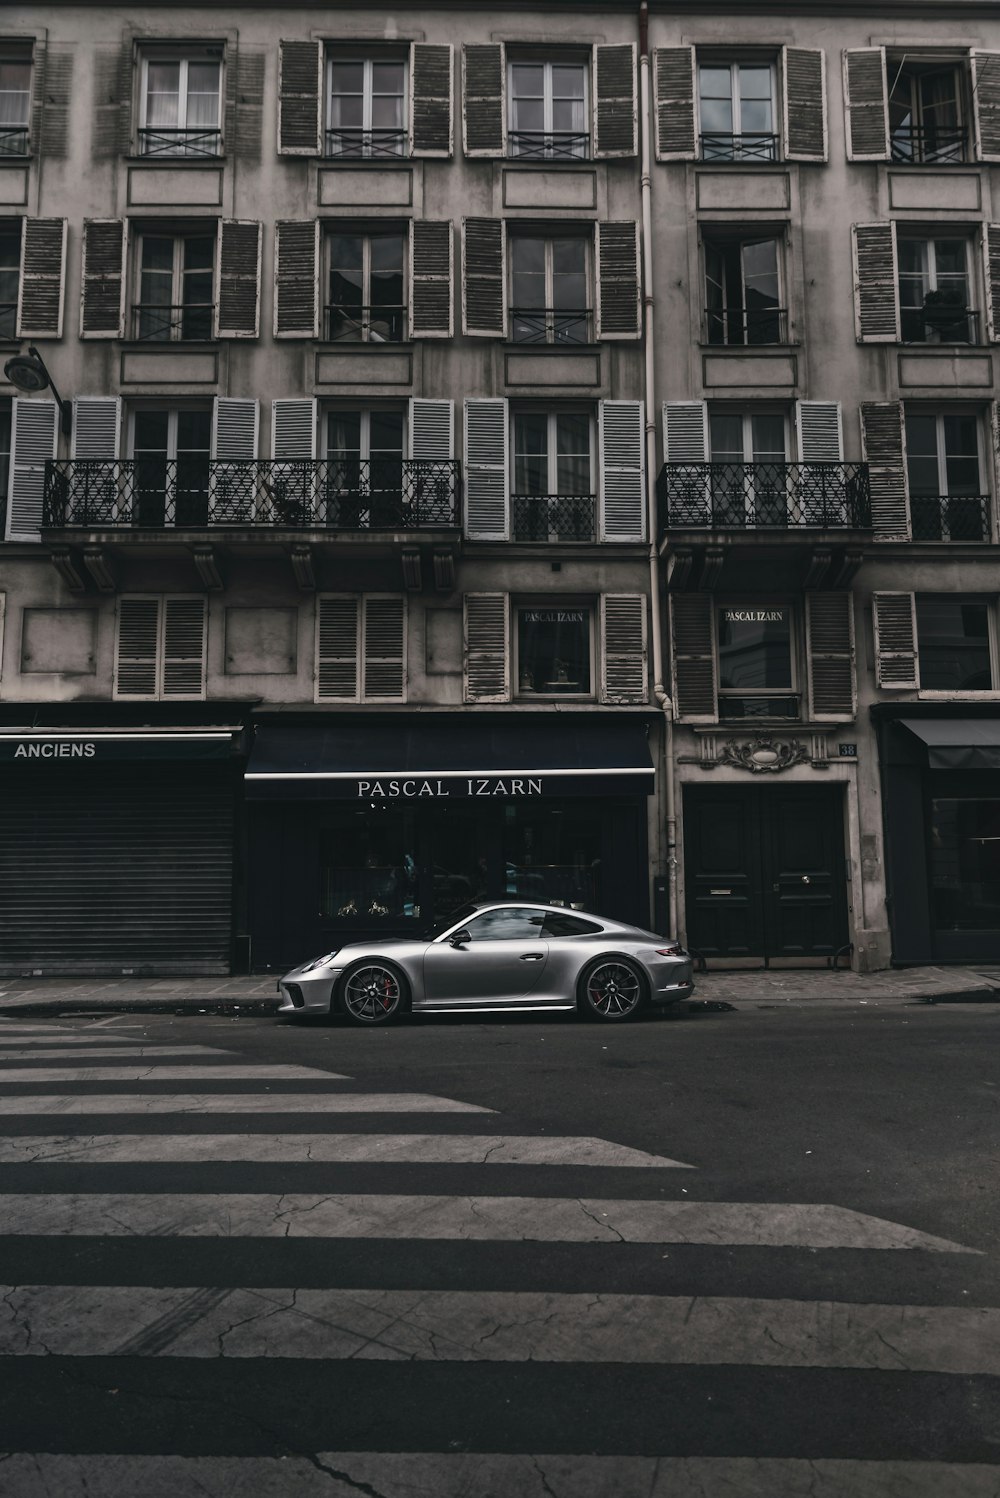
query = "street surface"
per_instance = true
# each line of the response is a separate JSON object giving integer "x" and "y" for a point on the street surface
{"x": 751, "y": 1254}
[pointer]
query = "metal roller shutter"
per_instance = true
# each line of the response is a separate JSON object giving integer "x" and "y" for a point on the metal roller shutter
{"x": 122, "y": 869}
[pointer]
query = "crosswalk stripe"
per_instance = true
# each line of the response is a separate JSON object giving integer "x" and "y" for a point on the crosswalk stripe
{"x": 496, "y": 1327}
{"x": 368, "y": 1149}
{"x": 168, "y": 1073}
{"x": 153, "y": 1052}
{"x": 503, "y": 1219}
{"x": 44, "y": 1104}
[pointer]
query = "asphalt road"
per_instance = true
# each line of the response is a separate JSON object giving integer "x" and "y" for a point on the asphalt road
{"x": 746, "y": 1253}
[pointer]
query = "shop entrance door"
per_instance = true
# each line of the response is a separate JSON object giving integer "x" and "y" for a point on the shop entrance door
{"x": 765, "y": 872}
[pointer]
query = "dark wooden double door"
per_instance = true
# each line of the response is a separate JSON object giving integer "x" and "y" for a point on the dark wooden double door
{"x": 765, "y": 874}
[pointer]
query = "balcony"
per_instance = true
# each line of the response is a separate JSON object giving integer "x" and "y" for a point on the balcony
{"x": 929, "y": 145}
{"x": 746, "y": 326}
{"x": 939, "y": 322}
{"x": 772, "y": 496}
{"x": 721, "y": 145}
{"x": 941, "y": 517}
{"x": 548, "y": 145}
{"x": 197, "y": 145}
{"x": 357, "y": 324}
{"x": 13, "y": 140}
{"x": 551, "y": 325}
{"x": 365, "y": 145}
{"x": 158, "y": 322}
{"x": 553, "y": 517}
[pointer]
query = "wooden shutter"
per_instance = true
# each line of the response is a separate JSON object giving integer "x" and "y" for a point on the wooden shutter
{"x": 819, "y": 431}
{"x": 137, "y": 647}
{"x": 693, "y": 656}
{"x": 616, "y": 112}
{"x": 41, "y": 289}
{"x": 237, "y": 279}
{"x": 432, "y": 430}
{"x": 484, "y": 266}
{"x": 685, "y": 442}
{"x": 184, "y": 625}
{"x": 991, "y": 268}
{"x": 233, "y": 487}
{"x": 876, "y": 297}
{"x": 102, "y": 298}
{"x": 618, "y": 309}
{"x": 384, "y": 645}
{"x": 623, "y": 647}
{"x": 673, "y": 81}
{"x": 432, "y": 70}
{"x": 300, "y": 93}
{"x": 487, "y": 658}
{"x": 830, "y": 657}
{"x": 296, "y": 278}
{"x": 986, "y": 104}
{"x": 484, "y": 103}
{"x": 97, "y": 421}
{"x": 884, "y": 445}
{"x": 431, "y": 269}
{"x": 293, "y": 428}
{"x": 621, "y": 445}
{"x": 487, "y": 472}
{"x": 804, "y": 127}
{"x": 866, "y": 95}
{"x": 338, "y": 627}
{"x": 896, "y": 656}
{"x": 34, "y": 433}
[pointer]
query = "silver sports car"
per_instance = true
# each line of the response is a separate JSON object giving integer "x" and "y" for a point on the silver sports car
{"x": 495, "y": 956}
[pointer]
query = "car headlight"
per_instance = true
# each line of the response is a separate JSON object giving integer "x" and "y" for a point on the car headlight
{"x": 308, "y": 967}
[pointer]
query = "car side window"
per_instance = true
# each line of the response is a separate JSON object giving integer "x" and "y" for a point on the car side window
{"x": 509, "y": 923}
{"x": 569, "y": 925}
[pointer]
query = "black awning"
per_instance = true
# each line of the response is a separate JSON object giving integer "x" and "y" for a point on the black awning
{"x": 101, "y": 745}
{"x": 450, "y": 759}
{"x": 958, "y": 743}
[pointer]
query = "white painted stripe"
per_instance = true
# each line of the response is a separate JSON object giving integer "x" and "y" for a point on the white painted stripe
{"x": 372, "y": 775}
{"x": 235, "y": 1102}
{"x": 83, "y": 1053}
{"x": 370, "y": 1149}
{"x": 47, "y": 1045}
{"x": 167, "y": 1074}
{"x": 495, "y": 1327}
{"x": 495, "y": 1219}
{"x": 466, "y": 1474}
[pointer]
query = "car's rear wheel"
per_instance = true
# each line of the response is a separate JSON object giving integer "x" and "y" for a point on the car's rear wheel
{"x": 611, "y": 989}
{"x": 372, "y": 993}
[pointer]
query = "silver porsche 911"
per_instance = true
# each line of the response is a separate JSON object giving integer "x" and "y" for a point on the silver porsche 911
{"x": 495, "y": 956}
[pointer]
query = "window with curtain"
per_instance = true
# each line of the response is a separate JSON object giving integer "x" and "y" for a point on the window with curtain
{"x": 737, "y": 111}
{"x": 365, "y": 468}
{"x": 181, "y": 107}
{"x": 176, "y": 276}
{"x": 15, "y": 105}
{"x": 366, "y": 107}
{"x": 935, "y": 300}
{"x": 925, "y": 112}
{"x": 548, "y": 109}
{"x": 550, "y": 288}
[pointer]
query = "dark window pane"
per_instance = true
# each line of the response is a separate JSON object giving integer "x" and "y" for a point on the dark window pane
{"x": 755, "y": 648}
{"x": 965, "y": 864}
{"x": 367, "y": 865}
{"x": 553, "y": 651}
{"x": 954, "y": 644}
{"x": 509, "y": 923}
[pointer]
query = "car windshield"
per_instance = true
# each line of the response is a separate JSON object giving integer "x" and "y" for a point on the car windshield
{"x": 463, "y": 913}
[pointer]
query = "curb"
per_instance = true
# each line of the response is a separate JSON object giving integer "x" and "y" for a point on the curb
{"x": 229, "y": 1007}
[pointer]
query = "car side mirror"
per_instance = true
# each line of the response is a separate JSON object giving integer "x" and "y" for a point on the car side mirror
{"x": 459, "y": 938}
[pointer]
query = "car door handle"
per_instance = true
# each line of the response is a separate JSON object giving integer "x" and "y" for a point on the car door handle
{"x": 532, "y": 956}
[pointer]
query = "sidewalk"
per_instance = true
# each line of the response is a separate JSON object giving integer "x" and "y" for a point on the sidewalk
{"x": 257, "y": 994}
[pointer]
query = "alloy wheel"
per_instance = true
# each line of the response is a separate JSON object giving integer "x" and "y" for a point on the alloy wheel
{"x": 372, "y": 994}
{"x": 613, "y": 990}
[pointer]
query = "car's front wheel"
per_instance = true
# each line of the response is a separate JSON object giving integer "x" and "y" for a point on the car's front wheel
{"x": 371, "y": 993}
{"x": 611, "y": 989}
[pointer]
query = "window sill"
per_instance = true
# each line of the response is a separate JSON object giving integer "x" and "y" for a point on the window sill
{"x": 352, "y": 346}
{"x": 534, "y": 161}
{"x": 366, "y": 162}
{"x": 967, "y": 697}
{"x": 171, "y": 346}
{"x": 753, "y": 166}
{"x": 935, "y": 348}
{"x": 134, "y": 159}
{"x": 749, "y": 348}
{"x": 551, "y": 348}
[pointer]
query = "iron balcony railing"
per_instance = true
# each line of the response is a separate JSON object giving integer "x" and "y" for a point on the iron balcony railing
{"x": 158, "y": 140}
{"x": 153, "y": 322}
{"x": 939, "y": 324}
{"x": 14, "y": 140}
{"x": 551, "y": 325}
{"x": 345, "y": 494}
{"x": 944, "y": 517}
{"x": 742, "y": 496}
{"x": 721, "y": 145}
{"x": 746, "y": 325}
{"x": 365, "y": 324}
{"x": 366, "y": 145}
{"x": 553, "y": 517}
{"x": 929, "y": 145}
{"x": 548, "y": 145}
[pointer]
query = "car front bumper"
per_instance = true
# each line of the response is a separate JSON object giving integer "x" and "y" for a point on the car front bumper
{"x": 308, "y": 993}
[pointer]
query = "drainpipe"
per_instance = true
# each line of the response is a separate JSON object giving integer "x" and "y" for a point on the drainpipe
{"x": 659, "y": 691}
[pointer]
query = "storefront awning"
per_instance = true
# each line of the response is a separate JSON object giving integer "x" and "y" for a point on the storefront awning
{"x": 958, "y": 743}
{"x": 450, "y": 759}
{"x": 102, "y": 745}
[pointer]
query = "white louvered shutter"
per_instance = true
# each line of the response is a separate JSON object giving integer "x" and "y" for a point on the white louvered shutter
{"x": 866, "y": 96}
{"x": 822, "y": 495}
{"x": 876, "y": 294}
{"x": 673, "y": 81}
{"x": 896, "y": 656}
{"x": 803, "y": 117}
{"x": 384, "y": 646}
{"x": 991, "y": 270}
{"x": 300, "y": 93}
{"x": 487, "y": 471}
{"x": 830, "y": 657}
{"x": 338, "y": 629}
{"x": 97, "y": 422}
{"x": 616, "y": 112}
{"x": 985, "y": 68}
{"x": 621, "y": 444}
{"x": 34, "y": 428}
{"x": 41, "y": 290}
{"x": 685, "y": 451}
{"x": 293, "y": 428}
{"x": 432, "y": 259}
{"x": 296, "y": 278}
{"x": 235, "y": 432}
{"x": 487, "y": 655}
{"x": 293, "y": 450}
{"x": 432, "y": 75}
{"x": 484, "y": 101}
{"x": 137, "y": 647}
{"x": 618, "y": 297}
{"x": 102, "y": 297}
{"x": 237, "y": 279}
{"x": 693, "y": 656}
{"x": 883, "y": 440}
{"x": 432, "y": 430}
{"x": 623, "y": 648}
{"x": 184, "y": 627}
{"x": 484, "y": 277}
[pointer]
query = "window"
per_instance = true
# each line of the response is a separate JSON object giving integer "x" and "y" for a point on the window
{"x": 953, "y": 635}
{"x": 365, "y": 469}
{"x": 180, "y": 107}
{"x": 554, "y": 855}
{"x": 366, "y": 112}
{"x": 756, "y": 678}
{"x": 743, "y": 291}
{"x": 550, "y": 283}
{"x": 510, "y": 923}
{"x": 965, "y": 863}
{"x": 5, "y": 433}
{"x": 554, "y": 652}
{"x": 737, "y": 111}
{"x": 367, "y": 865}
{"x": 176, "y": 276}
{"x": 553, "y": 497}
{"x": 367, "y": 300}
{"x": 934, "y": 295}
{"x": 749, "y": 472}
{"x": 925, "y": 112}
{"x": 171, "y": 448}
{"x": 10, "y": 276}
{"x": 947, "y": 502}
{"x": 548, "y": 110}
{"x": 569, "y": 925}
{"x": 15, "y": 104}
